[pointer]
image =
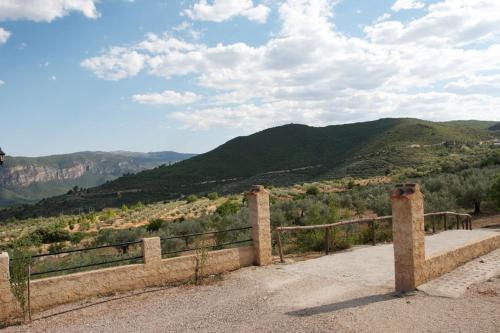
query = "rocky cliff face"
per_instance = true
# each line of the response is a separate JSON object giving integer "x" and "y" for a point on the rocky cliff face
{"x": 29, "y": 179}
{"x": 25, "y": 175}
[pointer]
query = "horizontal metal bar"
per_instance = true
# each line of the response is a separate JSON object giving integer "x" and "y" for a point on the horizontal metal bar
{"x": 84, "y": 266}
{"x": 85, "y": 249}
{"x": 205, "y": 233}
{"x": 210, "y": 246}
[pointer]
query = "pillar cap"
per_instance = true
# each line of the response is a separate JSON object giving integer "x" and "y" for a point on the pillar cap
{"x": 258, "y": 189}
{"x": 405, "y": 190}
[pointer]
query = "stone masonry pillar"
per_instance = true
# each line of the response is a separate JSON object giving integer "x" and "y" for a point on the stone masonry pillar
{"x": 9, "y": 309}
{"x": 408, "y": 236}
{"x": 151, "y": 250}
{"x": 260, "y": 220}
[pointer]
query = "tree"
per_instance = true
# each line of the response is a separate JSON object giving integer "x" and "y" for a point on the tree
{"x": 495, "y": 191}
{"x": 473, "y": 190}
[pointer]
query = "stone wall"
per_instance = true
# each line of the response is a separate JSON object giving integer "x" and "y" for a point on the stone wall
{"x": 49, "y": 292}
{"x": 446, "y": 261}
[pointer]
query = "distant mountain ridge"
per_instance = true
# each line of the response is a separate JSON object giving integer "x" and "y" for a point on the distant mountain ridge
{"x": 29, "y": 179}
{"x": 282, "y": 155}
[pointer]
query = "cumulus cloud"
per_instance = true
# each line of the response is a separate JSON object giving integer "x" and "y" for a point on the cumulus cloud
{"x": 117, "y": 64}
{"x": 45, "y": 10}
{"x": 447, "y": 22}
{"x": 168, "y": 97}
{"x": 222, "y": 10}
{"x": 4, "y": 36}
{"x": 407, "y": 4}
{"x": 310, "y": 72}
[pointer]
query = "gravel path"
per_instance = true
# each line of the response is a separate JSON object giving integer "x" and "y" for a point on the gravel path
{"x": 344, "y": 292}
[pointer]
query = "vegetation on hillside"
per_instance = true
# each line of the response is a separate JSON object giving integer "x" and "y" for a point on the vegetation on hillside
{"x": 292, "y": 154}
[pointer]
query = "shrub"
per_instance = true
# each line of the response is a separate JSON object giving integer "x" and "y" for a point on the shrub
{"x": 19, "y": 275}
{"x": 155, "y": 225}
{"x": 47, "y": 235}
{"x": 212, "y": 195}
{"x": 191, "y": 198}
{"x": 76, "y": 238}
{"x": 56, "y": 247}
{"x": 312, "y": 190}
{"x": 228, "y": 207}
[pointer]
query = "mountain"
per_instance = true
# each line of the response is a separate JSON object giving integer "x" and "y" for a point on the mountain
{"x": 280, "y": 156}
{"x": 29, "y": 179}
{"x": 495, "y": 127}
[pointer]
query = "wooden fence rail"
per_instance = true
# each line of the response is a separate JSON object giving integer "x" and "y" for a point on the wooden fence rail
{"x": 461, "y": 219}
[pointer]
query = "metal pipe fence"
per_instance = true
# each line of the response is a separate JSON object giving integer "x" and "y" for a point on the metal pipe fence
{"x": 219, "y": 238}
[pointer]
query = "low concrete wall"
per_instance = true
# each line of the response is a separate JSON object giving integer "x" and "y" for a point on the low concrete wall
{"x": 49, "y": 292}
{"x": 446, "y": 261}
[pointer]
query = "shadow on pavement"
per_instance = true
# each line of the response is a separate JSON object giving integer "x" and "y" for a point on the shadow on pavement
{"x": 352, "y": 303}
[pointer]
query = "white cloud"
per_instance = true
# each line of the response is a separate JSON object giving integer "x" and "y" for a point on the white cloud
{"x": 4, "y": 36}
{"x": 45, "y": 10}
{"x": 222, "y": 10}
{"x": 407, "y": 4}
{"x": 188, "y": 28}
{"x": 1, "y": 83}
{"x": 168, "y": 97}
{"x": 117, "y": 64}
{"x": 448, "y": 22}
{"x": 310, "y": 72}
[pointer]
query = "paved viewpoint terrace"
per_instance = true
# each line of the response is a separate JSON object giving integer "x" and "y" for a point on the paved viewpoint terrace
{"x": 351, "y": 291}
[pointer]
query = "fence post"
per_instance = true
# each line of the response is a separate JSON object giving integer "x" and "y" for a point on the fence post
{"x": 408, "y": 236}
{"x": 151, "y": 250}
{"x": 9, "y": 308}
{"x": 372, "y": 227}
{"x": 327, "y": 240}
{"x": 260, "y": 220}
{"x": 280, "y": 246}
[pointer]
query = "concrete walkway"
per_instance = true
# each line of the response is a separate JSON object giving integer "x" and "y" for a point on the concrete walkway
{"x": 455, "y": 283}
{"x": 351, "y": 291}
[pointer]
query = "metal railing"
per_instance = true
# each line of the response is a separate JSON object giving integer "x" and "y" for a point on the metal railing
{"x": 465, "y": 220}
{"x": 217, "y": 245}
{"x": 40, "y": 259}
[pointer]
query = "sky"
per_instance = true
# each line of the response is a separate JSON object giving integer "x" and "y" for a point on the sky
{"x": 188, "y": 75}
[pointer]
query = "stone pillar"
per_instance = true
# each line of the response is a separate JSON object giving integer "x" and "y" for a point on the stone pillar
{"x": 9, "y": 309}
{"x": 151, "y": 250}
{"x": 408, "y": 236}
{"x": 260, "y": 220}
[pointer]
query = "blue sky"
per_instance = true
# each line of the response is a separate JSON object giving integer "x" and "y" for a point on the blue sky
{"x": 150, "y": 75}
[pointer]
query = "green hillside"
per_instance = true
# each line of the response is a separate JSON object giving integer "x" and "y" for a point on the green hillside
{"x": 289, "y": 154}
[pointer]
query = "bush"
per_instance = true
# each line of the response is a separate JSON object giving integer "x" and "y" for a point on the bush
{"x": 212, "y": 195}
{"x": 76, "y": 238}
{"x": 56, "y": 247}
{"x": 312, "y": 190}
{"x": 191, "y": 198}
{"x": 155, "y": 225}
{"x": 229, "y": 207}
{"x": 48, "y": 235}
